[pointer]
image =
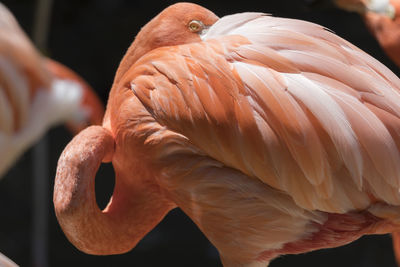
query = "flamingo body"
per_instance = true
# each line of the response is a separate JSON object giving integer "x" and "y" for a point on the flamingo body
{"x": 273, "y": 135}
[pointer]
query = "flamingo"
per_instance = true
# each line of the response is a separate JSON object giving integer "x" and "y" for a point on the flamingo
{"x": 382, "y": 18}
{"x": 36, "y": 93}
{"x": 274, "y": 135}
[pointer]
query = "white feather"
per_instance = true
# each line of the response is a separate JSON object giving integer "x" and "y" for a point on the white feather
{"x": 332, "y": 119}
{"x": 47, "y": 109}
{"x": 228, "y": 25}
{"x": 382, "y": 7}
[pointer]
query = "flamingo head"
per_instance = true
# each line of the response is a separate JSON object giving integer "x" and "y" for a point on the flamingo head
{"x": 178, "y": 24}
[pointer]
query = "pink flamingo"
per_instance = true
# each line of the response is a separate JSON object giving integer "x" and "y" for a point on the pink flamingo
{"x": 275, "y": 136}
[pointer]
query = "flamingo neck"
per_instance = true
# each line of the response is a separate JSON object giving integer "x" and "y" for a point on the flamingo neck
{"x": 135, "y": 208}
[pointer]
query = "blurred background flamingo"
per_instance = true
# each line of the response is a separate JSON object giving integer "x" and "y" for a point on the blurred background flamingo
{"x": 383, "y": 21}
{"x": 381, "y": 17}
{"x": 35, "y": 94}
{"x": 176, "y": 239}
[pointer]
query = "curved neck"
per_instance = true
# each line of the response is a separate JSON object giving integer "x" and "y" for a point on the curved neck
{"x": 132, "y": 212}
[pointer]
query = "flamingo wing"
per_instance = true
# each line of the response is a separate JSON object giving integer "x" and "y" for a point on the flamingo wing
{"x": 283, "y": 101}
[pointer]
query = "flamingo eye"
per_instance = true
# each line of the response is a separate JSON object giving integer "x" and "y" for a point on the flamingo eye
{"x": 196, "y": 26}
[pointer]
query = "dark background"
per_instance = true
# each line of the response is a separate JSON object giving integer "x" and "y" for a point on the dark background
{"x": 91, "y": 36}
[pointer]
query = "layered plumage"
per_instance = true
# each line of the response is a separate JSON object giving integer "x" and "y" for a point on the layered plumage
{"x": 274, "y": 135}
{"x": 36, "y": 93}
